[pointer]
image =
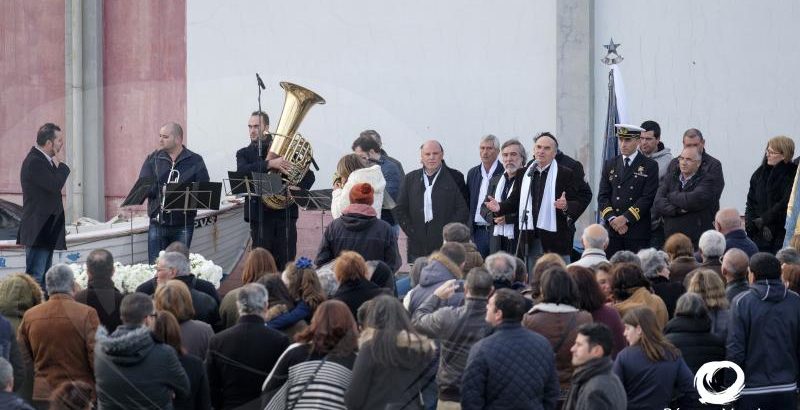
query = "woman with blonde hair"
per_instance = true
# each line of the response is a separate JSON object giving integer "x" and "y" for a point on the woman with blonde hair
{"x": 352, "y": 170}
{"x": 708, "y": 284}
{"x": 259, "y": 263}
{"x": 768, "y": 197}
{"x": 174, "y": 297}
{"x": 18, "y": 293}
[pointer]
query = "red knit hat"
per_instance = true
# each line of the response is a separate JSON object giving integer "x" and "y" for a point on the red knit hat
{"x": 362, "y": 194}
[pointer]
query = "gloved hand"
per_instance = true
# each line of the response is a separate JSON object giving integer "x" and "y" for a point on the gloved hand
{"x": 766, "y": 234}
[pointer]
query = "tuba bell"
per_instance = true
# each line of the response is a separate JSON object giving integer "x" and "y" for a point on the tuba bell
{"x": 289, "y": 144}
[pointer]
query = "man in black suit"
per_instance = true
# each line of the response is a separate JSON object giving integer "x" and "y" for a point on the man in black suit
{"x": 42, "y": 177}
{"x": 627, "y": 190}
{"x": 272, "y": 229}
{"x": 545, "y": 200}
{"x": 430, "y": 198}
{"x": 478, "y": 180}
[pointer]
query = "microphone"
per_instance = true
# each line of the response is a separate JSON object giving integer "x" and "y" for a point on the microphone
{"x": 260, "y": 82}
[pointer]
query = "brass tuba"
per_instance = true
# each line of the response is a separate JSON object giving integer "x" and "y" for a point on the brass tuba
{"x": 289, "y": 144}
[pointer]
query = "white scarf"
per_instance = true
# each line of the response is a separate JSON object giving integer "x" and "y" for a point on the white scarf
{"x": 506, "y": 230}
{"x": 485, "y": 178}
{"x": 428, "y": 197}
{"x": 547, "y": 209}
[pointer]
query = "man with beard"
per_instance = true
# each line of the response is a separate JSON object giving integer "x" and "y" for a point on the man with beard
{"x": 504, "y": 230}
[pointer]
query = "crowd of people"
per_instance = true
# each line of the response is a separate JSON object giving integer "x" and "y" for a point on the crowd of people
{"x": 498, "y": 311}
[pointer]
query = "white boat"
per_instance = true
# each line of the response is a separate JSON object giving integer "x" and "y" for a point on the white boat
{"x": 220, "y": 236}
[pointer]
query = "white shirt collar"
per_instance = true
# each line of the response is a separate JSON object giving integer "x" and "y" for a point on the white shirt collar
{"x": 632, "y": 156}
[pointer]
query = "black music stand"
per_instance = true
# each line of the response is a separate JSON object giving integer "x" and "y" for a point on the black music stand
{"x": 191, "y": 196}
{"x": 136, "y": 196}
{"x": 239, "y": 184}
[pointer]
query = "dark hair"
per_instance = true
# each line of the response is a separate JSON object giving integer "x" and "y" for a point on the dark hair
{"x": 47, "y": 132}
{"x": 168, "y": 331}
{"x": 651, "y": 125}
{"x": 387, "y": 322}
{"x": 511, "y": 303}
{"x": 363, "y": 312}
{"x": 277, "y": 292}
{"x": 590, "y": 296}
{"x": 382, "y": 275}
{"x": 456, "y": 232}
{"x": 558, "y": 287}
{"x": 259, "y": 262}
{"x": 764, "y": 265}
{"x": 479, "y": 282}
{"x": 71, "y": 395}
{"x": 178, "y": 246}
{"x": 693, "y": 133}
{"x": 100, "y": 263}
{"x": 455, "y": 252}
{"x": 332, "y": 330}
{"x": 135, "y": 308}
{"x": 263, "y": 115}
{"x": 625, "y": 277}
{"x": 598, "y": 334}
{"x": 372, "y": 134}
{"x": 546, "y": 134}
{"x": 652, "y": 341}
{"x": 304, "y": 285}
{"x": 366, "y": 143}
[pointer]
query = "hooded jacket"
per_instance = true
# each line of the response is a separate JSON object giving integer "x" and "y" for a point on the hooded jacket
{"x": 663, "y": 157}
{"x": 134, "y": 372}
{"x": 440, "y": 269}
{"x": 764, "y": 337}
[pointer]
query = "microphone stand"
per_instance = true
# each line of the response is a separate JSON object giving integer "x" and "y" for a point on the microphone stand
{"x": 524, "y": 230}
{"x": 262, "y": 165}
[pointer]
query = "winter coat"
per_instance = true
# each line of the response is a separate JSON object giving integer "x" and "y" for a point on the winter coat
{"x": 70, "y": 323}
{"x": 42, "y": 221}
{"x": 157, "y": 165}
{"x": 340, "y": 198}
{"x": 238, "y": 361}
{"x": 105, "y": 299}
{"x": 10, "y": 401}
{"x": 720, "y": 320}
{"x": 456, "y": 329}
{"x": 652, "y": 385}
{"x": 662, "y": 157}
{"x": 135, "y": 372}
{"x": 474, "y": 181}
{"x": 767, "y": 199}
{"x": 738, "y": 239}
{"x": 668, "y": 291}
{"x": 18, "y": 293}
{"x": 681, "y": 266}
{"x": 712, "y": 169}
{"x": 199, "y": 397}
{"x": 559, "y": 325}
{"x": 195, "y": 336}
{"x": 513, "y": 368}
{"x": 359, "y": 230}
{"x": 595, "y": 386}
{"x": 693, "y": 337}
{"x": 688, "y": 209}
{"x": 381, "y": 386}
{"x": 733, "y": 289}
{"x": 642, "y": 297}
{"x": 440, "y": 269}
{"x": 355, "y": 293}
{"x": 9, "y": 350}
{"x": 764, "y": 336}
{"x": 609, "y": 316}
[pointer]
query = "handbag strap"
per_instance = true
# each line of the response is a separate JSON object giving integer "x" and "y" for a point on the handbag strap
{"x": 566, "y": 333}
{"x": 292, "y": 403}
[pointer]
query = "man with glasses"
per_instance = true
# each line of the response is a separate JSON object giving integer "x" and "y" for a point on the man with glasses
{"x": 709, "y": 166}
{"x": 686, "y": 199}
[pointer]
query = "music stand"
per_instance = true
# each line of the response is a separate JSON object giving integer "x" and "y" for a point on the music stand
{"x": 136, "y": 196}
{"x": 191, "y": 196}
{"x": 239, "y": 184}
{"x": 268, "y": 183}
{"x": 316, "y": 200}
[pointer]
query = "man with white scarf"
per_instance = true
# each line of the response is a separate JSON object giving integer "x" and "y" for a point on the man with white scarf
{"x": 479, "y": 178}
{"x": 430, "y": 198}
{"x": 545, "y": 198}
{"x": 504, "y": 229}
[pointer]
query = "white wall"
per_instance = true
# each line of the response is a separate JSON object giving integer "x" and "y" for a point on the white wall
{"x": 453, "y": 70}
{"x": 727, "y": 68}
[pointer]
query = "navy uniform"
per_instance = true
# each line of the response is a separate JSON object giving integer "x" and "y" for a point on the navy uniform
{"x": 628, "y": 191}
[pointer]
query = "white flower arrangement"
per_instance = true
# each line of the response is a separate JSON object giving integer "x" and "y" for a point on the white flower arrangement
{"x": 128, "y": 277}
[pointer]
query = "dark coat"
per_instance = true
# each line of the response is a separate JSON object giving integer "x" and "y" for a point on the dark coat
{"x": 738, "y": 239}
{"x": 105, "y": 299}
{"x": 712, "y": 169}
{"x": 439, "y": 270}
{"x": 628, "y": 193}
{"x": 560, "y": 241}
{"x": 9, "y": 401}
{"x": 192, "y": 281}
{"x": 652, "y": 385}
{"x": 513, "y": 368}
{"x": 696, "y": 342}
{"x": 767, "y": 199}
{"x": 595, "y": 386}
{"x": 42, "y": 223}
{"x": 355, "y": 292}
{"x": 474, "y": 180}
{"x": 359, "y": 231}
{"x": 157, "y": 165}
{"x": 199, "y": 397}
{"x": 239, "y": 360}
{"x": 448, "y": 206}
{"x": 689, "y": 209}
{"x": 583, "y": 189}
{"x": 133, "y": 371}
{"x": 668, "y": 291}
{"x": 680, "y": 267}
{"x": 734, "y": 288}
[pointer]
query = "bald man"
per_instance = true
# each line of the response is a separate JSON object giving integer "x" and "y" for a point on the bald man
{"x": 734, "y": 268}
{"x": 430, "y": 198}
{"x": 729, "y": 223}
{"x": 595, "y": 241}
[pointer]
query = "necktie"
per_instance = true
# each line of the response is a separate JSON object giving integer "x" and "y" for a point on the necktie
{"x": 627, "y": 162}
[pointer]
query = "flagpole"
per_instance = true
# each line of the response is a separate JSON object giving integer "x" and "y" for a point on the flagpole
{"x": 610, "y": 144}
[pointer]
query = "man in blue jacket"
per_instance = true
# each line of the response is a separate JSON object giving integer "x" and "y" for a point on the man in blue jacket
{"x": 764, "y": 337}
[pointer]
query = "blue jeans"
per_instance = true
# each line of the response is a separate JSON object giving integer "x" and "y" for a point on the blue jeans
{"x": 37, "y": 262}
{"x": 160, "y": 236}
{"x": 480, "y": 237}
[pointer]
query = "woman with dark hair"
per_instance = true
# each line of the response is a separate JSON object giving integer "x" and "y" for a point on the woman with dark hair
{"x": 282, "y": 314}
{"x": 681, "y": 256}
{"x": 316, "y": 371}
{"x": 545, "y": 262}
{"x": 71, "y": 395}
{"x": 165, "y": 328}
{"x": 651, "y": 368}
{"x": 631, "y": 289}
{"x": 557, "y": 318}
{"x": 394, "y": 362}
{"x": 592, "y": 300}
{"x": 690, "y": 332}
{"x": 354, "y": 287}
{"x": 259, "y": 263}
{"x": 174, "y": 297}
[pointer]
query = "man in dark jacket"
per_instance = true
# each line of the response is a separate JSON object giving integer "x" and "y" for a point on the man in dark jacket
{"x": 240, "y": 358}
{"x": 132, "y": 370}
{"x": 367, "y": 146}
{"x": 42, "y": 176}
{"x": 686, "y": 199}
{"x": 709, "y": 166}
{"x": 456, "y": 328}
{"x": 513, "y": 368}
{"x": 478, "y": 182}
{"x": 430, "y": 198}
{"x": 734, "y": 268}
{"x": 101, "y": 293}
{"x": 594, "y": 385}
{"x": 504, "y": 227}
{"x": 729, "y": 223}
{"x": 359, "y": 230}
{"x": 764, "y": 337}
